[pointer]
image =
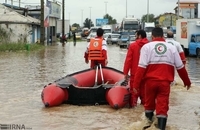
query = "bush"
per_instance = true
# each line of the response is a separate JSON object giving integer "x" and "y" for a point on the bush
{"x": 20, "y": 47}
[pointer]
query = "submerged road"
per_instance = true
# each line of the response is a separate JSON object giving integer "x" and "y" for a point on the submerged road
{"x": 24, "y": 74}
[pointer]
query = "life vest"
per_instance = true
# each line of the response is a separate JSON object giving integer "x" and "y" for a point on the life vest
{"x": 95, "y": 49}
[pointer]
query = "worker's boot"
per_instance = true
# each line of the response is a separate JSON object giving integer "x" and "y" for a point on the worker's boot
{"x": 162, "y": 123}
{"x": 148, "y": 120}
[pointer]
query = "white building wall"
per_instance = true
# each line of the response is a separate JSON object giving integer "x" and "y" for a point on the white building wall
{"x": 52, "y": 21}
{"x": 19, "y": 32}
{"x": 198, "y": 10}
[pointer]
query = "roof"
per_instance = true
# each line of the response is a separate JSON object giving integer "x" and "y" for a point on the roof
{"x": 10, "y": 6}
{"x": 186, "y": 7}
{"x": 165, "y": 14}
{"x": 10, "y": 16}
{"x": 189, "y": 1}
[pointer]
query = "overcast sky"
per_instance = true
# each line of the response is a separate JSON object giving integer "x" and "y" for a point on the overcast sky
{"x": 116, "y": 8}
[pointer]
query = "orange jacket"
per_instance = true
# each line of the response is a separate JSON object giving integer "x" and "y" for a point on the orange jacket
{"x": 103, "y": 53}
{"x": 95, "y": 50}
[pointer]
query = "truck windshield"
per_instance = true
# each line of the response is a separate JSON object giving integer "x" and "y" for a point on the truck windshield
{"x": 148, "y": 29}
{"x": 93, "y": 30}
{"x": 131, "y": 26}
{"x": 107, "y": 31}
{"x": 124, "y": 37}
{"x": 115, "y": 36}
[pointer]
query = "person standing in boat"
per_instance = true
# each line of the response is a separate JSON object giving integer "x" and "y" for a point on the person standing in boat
{"x": 157, "y": 63}
{"x": 96, "y": 50}
{"x": 131, "y": 63}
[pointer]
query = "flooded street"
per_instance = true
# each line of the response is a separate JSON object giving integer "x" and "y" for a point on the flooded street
{"x": 24, "y": 74}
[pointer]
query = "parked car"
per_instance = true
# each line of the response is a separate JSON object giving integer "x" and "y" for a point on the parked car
{"x": 113, "y": 38}
{"x": 85, "y": 32}
{"x": 105, "y": 36}
{"x": 123, "y": 41}
{"x": 78, "y": 35}
{"x": 131, "y": 40}
{"x": 92, "y": 35}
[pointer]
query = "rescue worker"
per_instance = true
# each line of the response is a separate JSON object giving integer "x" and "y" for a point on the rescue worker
{"x": 131, "y": 63}
{"x": 156, "y": 66}
{"x": 136, "y": 36}
{"x": 74, "y": 37}
{"x": 97, "y": 50}
{"x": 170, "y": 39}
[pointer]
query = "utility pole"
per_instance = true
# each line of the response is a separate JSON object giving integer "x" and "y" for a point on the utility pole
{"x": 147, "y": 10}
{"x": 105, "y": 7}
{"x": 11, "y": 3}
{"x": 126, "y": 8}
{"x": 190, "y": 12}
{"x": 19, "y": 2}
{"x": 42, "y": 29}
{"x": 178, "y": 9}
{"x": 6, "y": 1}
{"x": 63, "y": 22}
{"x": 90, "y": 16}
{"x": 69, "y": 16}
{"x": 81, "y": 17}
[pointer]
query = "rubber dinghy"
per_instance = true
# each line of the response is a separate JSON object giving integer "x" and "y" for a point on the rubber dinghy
{"x": 98, "y": 86}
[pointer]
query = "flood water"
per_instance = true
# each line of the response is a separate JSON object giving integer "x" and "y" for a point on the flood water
{"x": 23, "y": 75}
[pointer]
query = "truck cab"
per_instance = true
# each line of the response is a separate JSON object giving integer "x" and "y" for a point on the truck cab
{"x": 194, "y": 45}
{"x": 188, "y": 35}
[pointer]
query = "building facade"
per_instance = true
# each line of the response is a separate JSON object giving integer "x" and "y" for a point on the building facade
{"x": 188, "y": 9}
{"x": 52, "y": 13}
{"x": 166, "y": 19}
{"x": 20, "y": 28}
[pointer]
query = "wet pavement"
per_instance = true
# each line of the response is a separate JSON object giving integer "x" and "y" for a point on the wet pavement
{"x": 23, "y": 75}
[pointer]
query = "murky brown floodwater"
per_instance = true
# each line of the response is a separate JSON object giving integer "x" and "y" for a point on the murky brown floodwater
{"x": 23, "y": 75}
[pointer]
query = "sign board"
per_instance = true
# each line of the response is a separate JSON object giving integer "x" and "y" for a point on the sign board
{"x": 184, "y": 30}
{"x": 54, "y": 9}
{"x": 100, "y": 22}
{"x": 46, "y": 16}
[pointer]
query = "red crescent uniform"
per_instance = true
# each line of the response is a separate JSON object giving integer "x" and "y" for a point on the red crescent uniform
{"x": 178, "y": 47}
{"x": 130, "y": 64}
{"x": 157, "y": 62}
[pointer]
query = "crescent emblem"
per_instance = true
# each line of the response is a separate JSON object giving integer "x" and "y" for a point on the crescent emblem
{"x": 160, "y": 48}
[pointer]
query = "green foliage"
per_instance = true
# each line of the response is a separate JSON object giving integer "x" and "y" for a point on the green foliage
{"x": 76, "y": 25}
{"x": 88, "y": 23}
{"x": 19, "y": 47}
{"x": 110, "y": 19}
{"x": 151, "y": 18}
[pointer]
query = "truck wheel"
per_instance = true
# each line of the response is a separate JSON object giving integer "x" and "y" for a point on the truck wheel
{"x": 186, "y": 52}
{"x": 198, "y": 53}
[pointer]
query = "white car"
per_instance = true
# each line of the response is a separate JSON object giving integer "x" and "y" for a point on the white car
{"x": 92, "y": 35}
{"x": 105, "y": 36}
{"x": 113, "y": 38}
{"x": 131, "y": 40}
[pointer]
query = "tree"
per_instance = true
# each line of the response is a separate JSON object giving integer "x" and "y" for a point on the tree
{"x": 151, "y": 18}
{"x": 88, "y": 23}
{"x": 76, "y": 25}
{"x": 110, "y": 19}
